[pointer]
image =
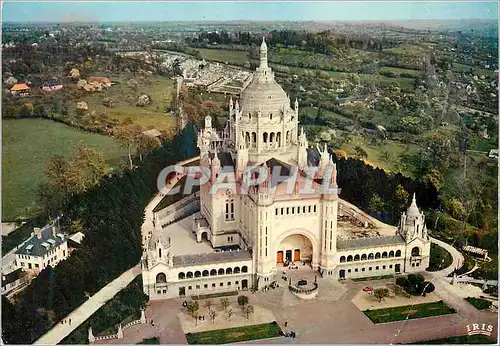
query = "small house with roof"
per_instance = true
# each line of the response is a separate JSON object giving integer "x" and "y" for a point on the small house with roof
{"x": 47, "y": 246}
{"x": 51, "y": 86}
{"x": 13, "y": 280}
{"x": 104, "y": 81}
{"x": 20, "y": 89}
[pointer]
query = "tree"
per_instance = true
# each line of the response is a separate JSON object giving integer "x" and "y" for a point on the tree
{"x": 225, "y": 303}
{"x": 208, "y": 304}
{"x": 248, "y": 310}
{"x": 193, "y": 307}
{"x": 401, "y": 197}
{"x": 146, "y": 144}
{"x": 91, "y": 164}
{"x": 380, "y": 293}
{"x": 127, "y": 135}
{"x": 242, "y": 300}
{"x": 435, "y": 178}
{"x": 360, "y": 152}
{"x": 402, "y": 282}
{"x": 376, "y": 204}
{"x": 212, "y": 314}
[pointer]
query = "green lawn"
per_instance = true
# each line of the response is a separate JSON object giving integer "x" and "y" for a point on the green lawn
{"x": 226, "y": 336}
{"x": 460, "y": 339}
{"x": 473, "y": 69}
{"x": 480, "y": 304}
{"x": 407, "y": 49}
{"x": 413, "y": 73}
{"x": 412, "y": 311}
{"x": 223, "y": 55}
{"x": 152, "y": 116}
{"x": 27, "y": 146}
{"x": 371, "y": 278}
{"x": 440, "y": 258}
{"x": 376, "y": 153}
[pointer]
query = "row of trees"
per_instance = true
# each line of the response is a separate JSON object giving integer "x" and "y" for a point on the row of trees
{"x": 111, "y": 215}
{"x": 385, "y": 195}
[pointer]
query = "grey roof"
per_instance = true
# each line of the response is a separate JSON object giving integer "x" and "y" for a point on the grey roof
{"x": 12, "y": 276}
{"x": 213, "y": 257}
{"x": 344, "y": 244}
{"x": 313, "y": 156}
{"x": 35, "y": 247}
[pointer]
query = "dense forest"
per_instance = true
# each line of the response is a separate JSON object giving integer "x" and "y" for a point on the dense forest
{"x": 111, "y": 215}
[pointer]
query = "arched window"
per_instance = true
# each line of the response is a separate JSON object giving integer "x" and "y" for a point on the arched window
{"x": 250, "y": 116}
{"x": 161, "y": 278}
{"x": 182, "y": 276}
{"x": 254, "y": 139}
{"x": 377, "y": 255}
{"x": 370, "y": 256}
{"x": 398, "y": 253}
{"x": 271, "y": 138}
{"x": 287, "y": 137}
{"x": 384, "y": 254}
{"x": 229, "y": 271}
{"x": 213, "y": 272}
{"x": 278, "y": 139}
{"x": 197, "y": 274}
{"x": 247, "y": 139}
{"x": 415, "y": 251}
{"x": 229, "y": 209}
{"x": 205, "y": 273}
{"x": 391, "y": 254}
{"x": 363, "y": 257}
{"x": 342, "y": 259}
{"x": 189, "y": 275}
{"x": 244, "y": 269}
{"x": 221, "y": 271}
{"x": 356, "y": 258}
{"x": 349, "y": 258}
{"x": 236, "y": 270}
{"x": 271, "y": 116}
{"x": 264, "y": 137}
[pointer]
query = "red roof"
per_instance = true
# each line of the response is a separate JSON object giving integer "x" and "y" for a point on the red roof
{"x": 19, "y": 87}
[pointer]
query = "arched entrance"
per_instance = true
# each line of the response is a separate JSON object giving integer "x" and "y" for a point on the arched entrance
{"x": 294, "y": 248}
{"x": 204, "y": 236}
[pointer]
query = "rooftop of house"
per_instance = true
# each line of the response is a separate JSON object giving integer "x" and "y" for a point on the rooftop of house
{"x": 213, "y": 257}
{"x": 49, "y": 238}
{"x": 99, "y": 79}
{"x": 77, "y": 237}
{"x": 152, "y": 133}
{"x": 346, "y": 244}
{"x": 20, "y": 87}
{"x": 12, "y": 276}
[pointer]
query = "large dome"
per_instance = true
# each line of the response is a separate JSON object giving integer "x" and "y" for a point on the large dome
{"x": 263, "y": 92}
{"x": 268, "y": 96}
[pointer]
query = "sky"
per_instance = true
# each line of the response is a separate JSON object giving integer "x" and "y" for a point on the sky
{"x": 45, "y": 11}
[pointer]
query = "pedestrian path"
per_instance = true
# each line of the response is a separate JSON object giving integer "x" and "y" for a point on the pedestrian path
{"x": 84, "y": 311}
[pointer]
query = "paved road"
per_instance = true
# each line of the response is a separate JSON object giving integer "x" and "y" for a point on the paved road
{"x": 84, "y": 311}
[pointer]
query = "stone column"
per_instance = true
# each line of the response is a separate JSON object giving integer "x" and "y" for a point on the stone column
{"x": 91, "y": 336}
{"x": 143, "y": 316}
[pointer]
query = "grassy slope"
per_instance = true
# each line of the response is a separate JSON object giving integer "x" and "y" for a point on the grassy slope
{"x": 223, "y": 55}
{"x": 153, "y": 116}
{"x": 27, "y": 146}
{"x": 375, "y": 153}
{"x": 411, "y": 311}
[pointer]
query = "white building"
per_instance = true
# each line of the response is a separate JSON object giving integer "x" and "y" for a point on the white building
{"x": 240, "y": 241}
{"x": 45, "y": 247}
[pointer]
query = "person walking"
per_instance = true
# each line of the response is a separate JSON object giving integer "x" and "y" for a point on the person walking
{"x": 286, "y": 323}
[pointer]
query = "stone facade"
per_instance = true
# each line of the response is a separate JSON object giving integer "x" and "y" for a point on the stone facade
{"x": 274, "y": 223}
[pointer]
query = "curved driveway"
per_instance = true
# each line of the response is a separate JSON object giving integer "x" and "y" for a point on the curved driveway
{"x": 458, "y": 258}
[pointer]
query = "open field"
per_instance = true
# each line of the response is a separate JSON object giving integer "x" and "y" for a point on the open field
{"x": 226, "y": 336}
{"x": 152, "y": 116}
{"x": 223, "y": 55}
{"x": 404, "y": 83}
{"x": 399, "y": 71}
{"x": 27, "y": 146}
{"x": 376, "y": 153}
{"x": 473, "y": 69}
{"x": 407, "y": 49}
{"x": 412, "y": 311}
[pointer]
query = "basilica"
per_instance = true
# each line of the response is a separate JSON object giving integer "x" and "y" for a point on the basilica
{"x": 230, "y": 241}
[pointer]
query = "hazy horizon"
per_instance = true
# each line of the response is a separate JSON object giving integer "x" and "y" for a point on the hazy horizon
{"x": 219, "y": 12}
